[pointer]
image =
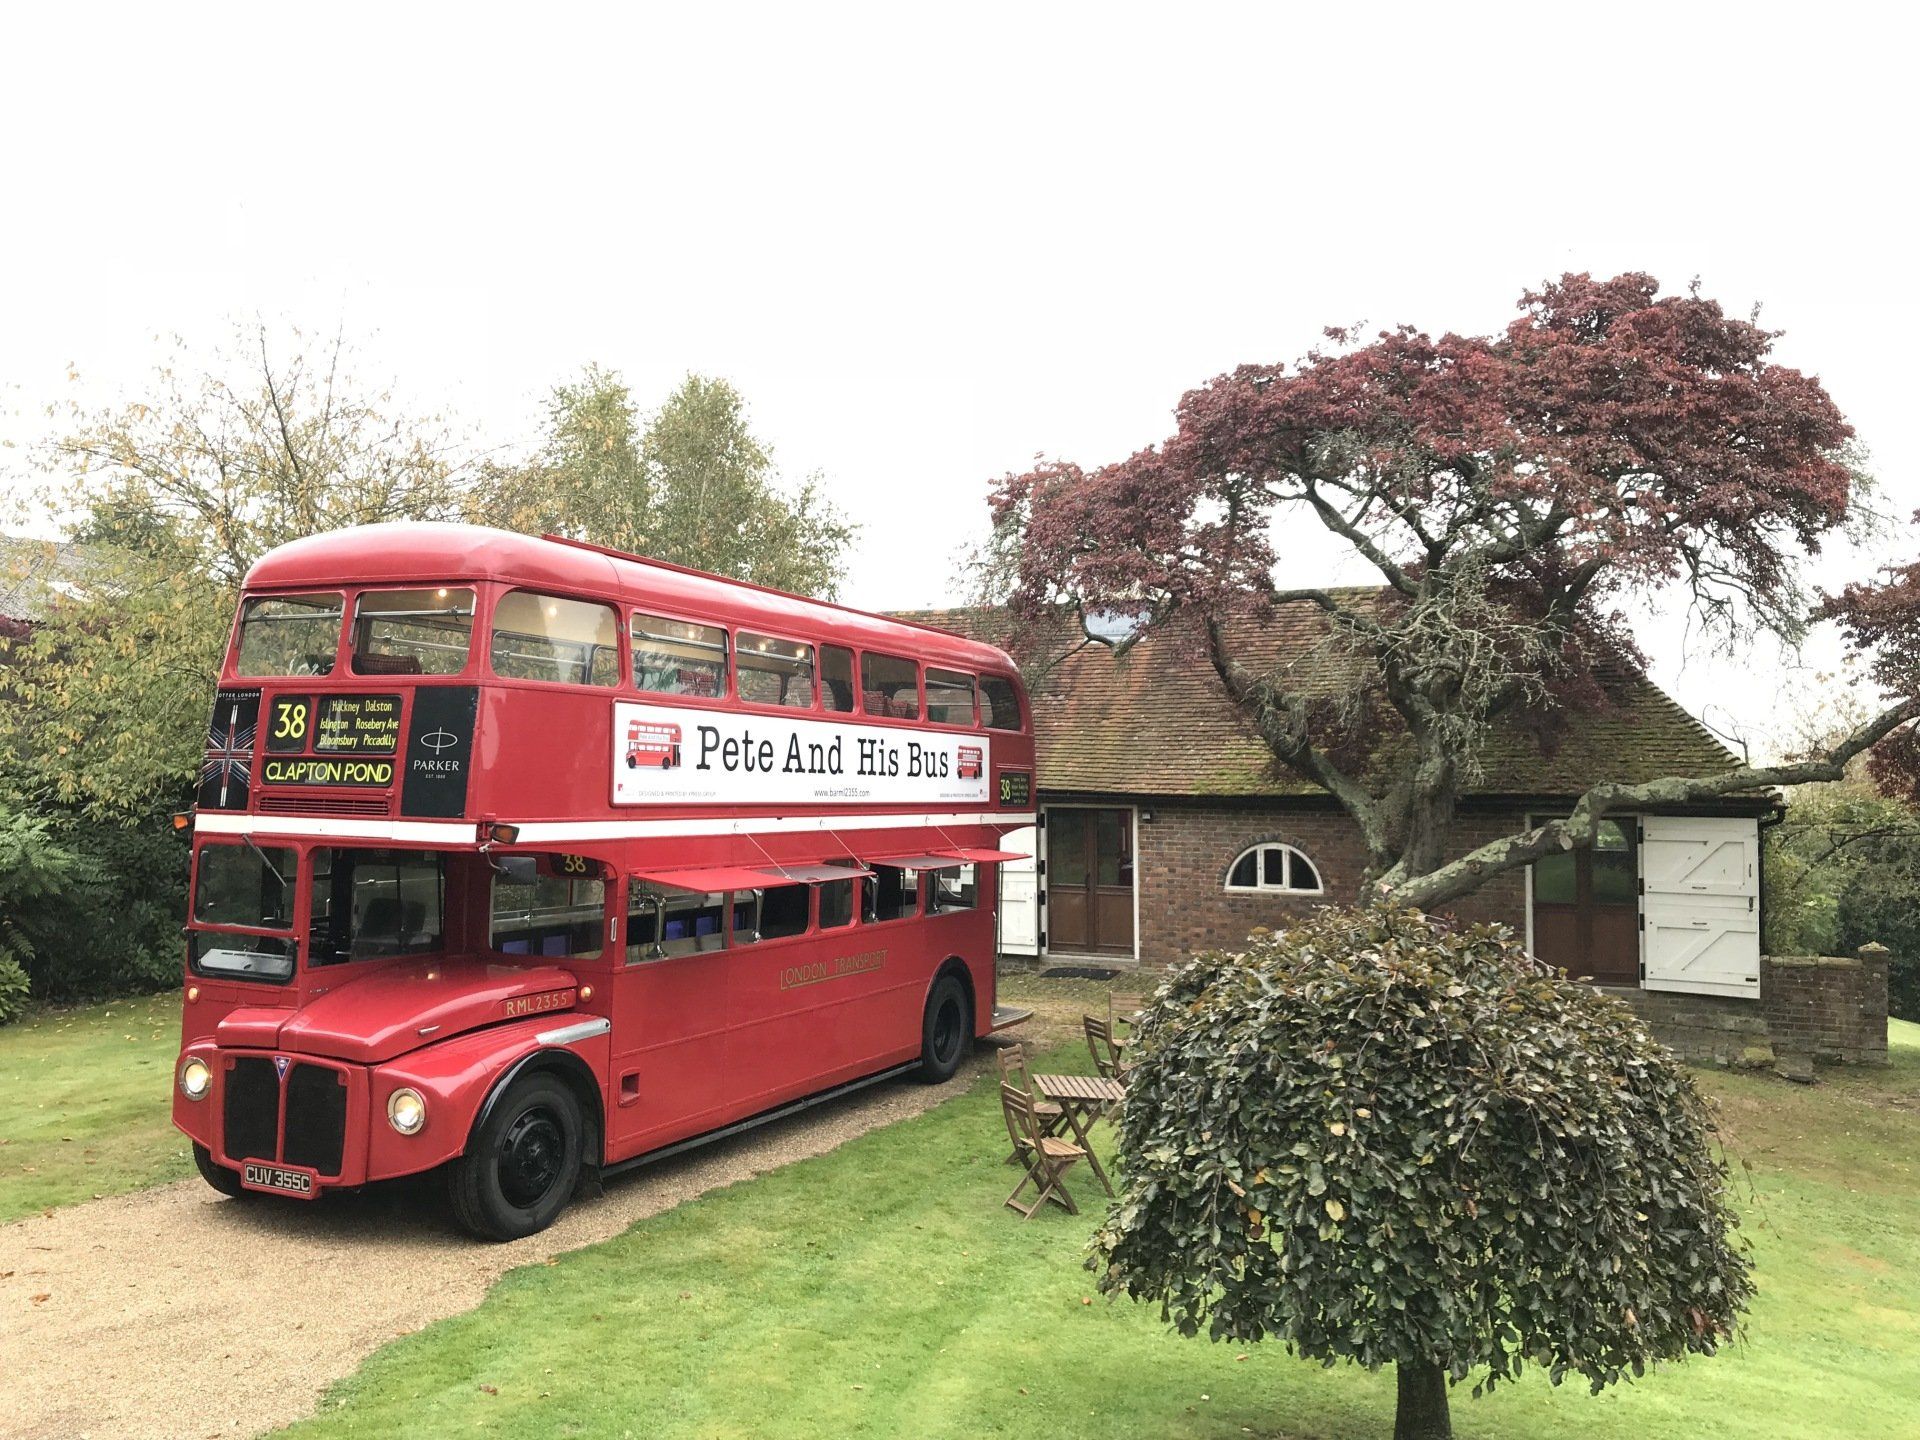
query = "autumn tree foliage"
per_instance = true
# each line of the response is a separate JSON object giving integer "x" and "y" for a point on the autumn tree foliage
{"x": 1509, "y": 490}
{"x": 1381, "y": 1140}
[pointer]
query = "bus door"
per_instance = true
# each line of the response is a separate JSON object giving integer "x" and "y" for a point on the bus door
{"x": 670, "y": 1009}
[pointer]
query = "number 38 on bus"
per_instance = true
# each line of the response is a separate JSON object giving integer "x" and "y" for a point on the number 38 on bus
{"x": 519, "y": 860}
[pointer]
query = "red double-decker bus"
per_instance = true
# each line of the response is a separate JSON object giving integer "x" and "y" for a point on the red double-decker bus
{"x": 523, "y": 859}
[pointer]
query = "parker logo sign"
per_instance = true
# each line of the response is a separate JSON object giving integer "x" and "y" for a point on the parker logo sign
{"x": 667, "y": 755}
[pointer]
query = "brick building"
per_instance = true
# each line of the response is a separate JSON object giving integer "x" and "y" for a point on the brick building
{"x": 1166, "y": 827}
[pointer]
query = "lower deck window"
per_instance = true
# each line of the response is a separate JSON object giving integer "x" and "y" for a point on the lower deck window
{"x": 775, "y": 913}
{"x": 894, "y": 893}
{"x": 836, "y": 903}
{"x": 550, "y": 915}
{"x": 690, "y": 924}
{"x": 953, "y": 890}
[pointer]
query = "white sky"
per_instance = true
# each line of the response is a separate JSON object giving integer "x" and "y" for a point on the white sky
{"x": 931, "y": 244}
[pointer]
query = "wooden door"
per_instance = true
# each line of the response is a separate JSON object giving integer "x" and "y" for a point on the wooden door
{"x": 1703, "y": 905}
{"x": 1586, "y": 908}
{"x": 1089, "y": 881}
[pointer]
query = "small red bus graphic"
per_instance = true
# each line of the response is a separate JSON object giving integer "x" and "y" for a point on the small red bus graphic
{"x": 969, "y": 762}
{"x": 651, "y": 743}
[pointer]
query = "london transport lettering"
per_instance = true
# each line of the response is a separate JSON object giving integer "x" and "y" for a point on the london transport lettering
{"x": 663, "y": 754}
{"x": 838, "y": 968}
{"x": 536, "y": 1004}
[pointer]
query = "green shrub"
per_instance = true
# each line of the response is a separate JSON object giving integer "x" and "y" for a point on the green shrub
{"x": 1380, "y": 1139}
{"x": 13, "y": 989}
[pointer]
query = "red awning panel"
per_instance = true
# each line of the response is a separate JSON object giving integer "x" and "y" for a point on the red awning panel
{"x": 803, "y": 873}
{"x": 986, "y": 857}
{"x": 918, "y": 862}
{"x": 706, "y": 881}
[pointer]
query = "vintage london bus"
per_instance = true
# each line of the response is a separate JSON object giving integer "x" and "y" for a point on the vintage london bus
{"x": 525, "y": 860}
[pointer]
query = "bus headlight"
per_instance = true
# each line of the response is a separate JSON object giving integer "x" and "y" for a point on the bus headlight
{"x": 406, "y": 1111}
{"x": 195, "y": 1078}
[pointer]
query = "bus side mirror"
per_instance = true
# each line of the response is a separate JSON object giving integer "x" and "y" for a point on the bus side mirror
{"x": 518, "y": 869}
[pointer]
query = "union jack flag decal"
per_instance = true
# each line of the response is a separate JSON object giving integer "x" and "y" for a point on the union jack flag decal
{"x": 226, "y": 774}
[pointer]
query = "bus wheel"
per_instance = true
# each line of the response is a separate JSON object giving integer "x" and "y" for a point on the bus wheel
{"x": 226, "y": 1181}
{"x": 945, "y": 1030}
{"x": 522, "y": 1163}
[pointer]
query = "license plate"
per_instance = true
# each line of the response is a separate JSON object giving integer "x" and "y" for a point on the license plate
{"x": 280, "y": 1179}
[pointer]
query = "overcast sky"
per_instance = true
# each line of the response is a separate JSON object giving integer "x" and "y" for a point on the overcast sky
{"x": 931, "y": 244}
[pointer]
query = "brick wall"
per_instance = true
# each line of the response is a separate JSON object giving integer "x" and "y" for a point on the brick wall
{"x": 1832, "y": 1008}
{"x": 1187, "y": 849}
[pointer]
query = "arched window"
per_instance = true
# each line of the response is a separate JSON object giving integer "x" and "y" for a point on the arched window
{"x": 1274, "y": 869}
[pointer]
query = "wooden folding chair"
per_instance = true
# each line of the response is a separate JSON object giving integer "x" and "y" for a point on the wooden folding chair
{"x": 1012, "y": 1062}
{"x": 1047, "y": 1157}
{"x": 1106, "y": 1050}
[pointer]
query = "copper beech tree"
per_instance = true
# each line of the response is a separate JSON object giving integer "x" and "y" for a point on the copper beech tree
{"x": 1510, "y": 490}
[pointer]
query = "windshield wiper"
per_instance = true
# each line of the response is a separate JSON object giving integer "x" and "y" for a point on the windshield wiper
{"x": 261, "y": 856}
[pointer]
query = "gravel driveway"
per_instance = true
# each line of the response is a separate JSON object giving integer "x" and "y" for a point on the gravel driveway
{"x": 174, "y": 1312}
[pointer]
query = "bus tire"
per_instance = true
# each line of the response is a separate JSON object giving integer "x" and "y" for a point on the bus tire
{"x": 945, "y": 1029}
{"x": 522, "y": 1162}
{"x": 226, "y": 1181}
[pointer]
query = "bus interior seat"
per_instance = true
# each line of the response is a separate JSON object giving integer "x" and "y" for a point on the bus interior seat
{"x": 386, "y": 664}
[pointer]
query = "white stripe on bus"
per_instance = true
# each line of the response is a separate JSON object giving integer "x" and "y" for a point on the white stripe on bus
{"x": 463, "y": 832}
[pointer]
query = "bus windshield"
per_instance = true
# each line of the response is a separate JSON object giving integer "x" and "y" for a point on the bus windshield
{"x": 250, "y": 886}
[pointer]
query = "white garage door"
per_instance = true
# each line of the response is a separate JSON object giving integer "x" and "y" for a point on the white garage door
{"x": 1701, "y": 906}
{"x": 1020, "y": 895}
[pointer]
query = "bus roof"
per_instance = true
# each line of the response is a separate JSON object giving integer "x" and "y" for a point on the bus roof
{"x": 416, "y": 552}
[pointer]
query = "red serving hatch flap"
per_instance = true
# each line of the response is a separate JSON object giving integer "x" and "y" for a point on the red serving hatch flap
{"x": 825, "y": 871}
{"x": 919, "y": 862}
{"x": 708, "y": 880}
{"x": 986, "y": 857}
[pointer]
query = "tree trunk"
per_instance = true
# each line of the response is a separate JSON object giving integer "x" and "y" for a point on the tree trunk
{"x": 1422, "y": 1413}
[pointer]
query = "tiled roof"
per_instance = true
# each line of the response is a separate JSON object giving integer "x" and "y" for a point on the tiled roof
{"x": 36, "y": 574}
{"x": 1157, "y": 721}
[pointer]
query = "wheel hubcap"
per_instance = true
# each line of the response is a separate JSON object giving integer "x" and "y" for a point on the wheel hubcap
{"x": 531, "y": 1153}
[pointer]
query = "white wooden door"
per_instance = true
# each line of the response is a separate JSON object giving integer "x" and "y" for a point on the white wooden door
{"x": 1020, "y": 895}
{"x": 1700, "y": 906}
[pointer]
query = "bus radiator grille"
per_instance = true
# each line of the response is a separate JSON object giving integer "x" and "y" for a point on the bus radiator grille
{"x": 251, "y": 1117}
{"x": 316, "y": 1118}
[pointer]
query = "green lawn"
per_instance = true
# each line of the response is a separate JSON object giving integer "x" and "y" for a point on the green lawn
{"x": 881, "y": 1291}
{"x": 87, "y": 1103}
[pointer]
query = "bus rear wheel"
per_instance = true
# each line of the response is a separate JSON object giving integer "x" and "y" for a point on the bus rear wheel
{"x": 522, "y": 1163}
{"x": 226, "y": 1181}
{"x": 945, "y": 1030}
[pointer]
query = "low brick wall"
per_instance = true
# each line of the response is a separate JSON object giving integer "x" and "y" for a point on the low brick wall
{"x": 1831, "y": 1009}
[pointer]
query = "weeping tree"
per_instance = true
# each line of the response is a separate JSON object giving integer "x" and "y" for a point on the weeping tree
{"x": 1509, "y": 491}
{"x": 1382, "y": 1141}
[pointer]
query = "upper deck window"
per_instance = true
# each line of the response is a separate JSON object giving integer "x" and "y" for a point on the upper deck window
{"x": 949, "y": 697}
{"x": 543, "y": 637}
{"x": 412, "y": 632}
{"x": 289, "y": 634}
{"x": 836, "y": 679}
{"x": 999, "y": 703}
{"x": 674, "y": 657}
{"x": 890, "y": 686}
{"x": 774, "y": 672}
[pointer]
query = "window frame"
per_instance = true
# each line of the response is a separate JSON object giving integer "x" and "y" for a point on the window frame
{"x": 972, "y": 722}
{"x": 622, "y": 662}
{"x": 349, "y": 651}
{"x": 735, "y": 650}
{"x": 237, "y": 638}
{"x": 919, "y": 716}
{"x": 723, "y": 698}
{"x": 1260, "y": 887}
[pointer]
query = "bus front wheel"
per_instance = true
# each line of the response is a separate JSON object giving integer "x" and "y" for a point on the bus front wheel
{"x": 522, "y": 1163}
{"x": 226, "y": 1181}
{"x": 945, "y": 1030}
